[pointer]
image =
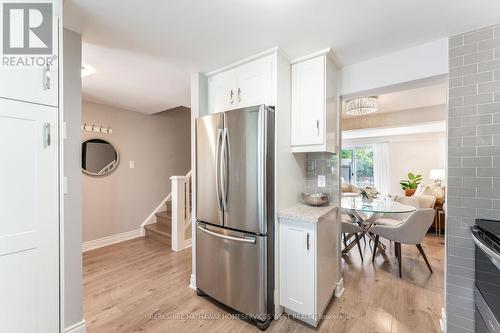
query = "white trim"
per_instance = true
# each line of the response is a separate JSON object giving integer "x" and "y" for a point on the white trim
{"x": 244, "y": 61}
{"x": 151, "y": 217}
{"x": 339, "y": 289}
{"x": 76, "y": 328}
{"x": 442, "y": 321}
{"x": 105, "y": 241}
{"x": 430, "y": 127}
{"x": 192, "y": 282}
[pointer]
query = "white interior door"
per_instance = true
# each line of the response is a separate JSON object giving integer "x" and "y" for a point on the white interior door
{"x": 29, "y": 226}
{"x": 21, "y": 80}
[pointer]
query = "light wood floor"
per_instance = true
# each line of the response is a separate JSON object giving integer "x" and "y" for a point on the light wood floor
{"x": 126, "y": 283}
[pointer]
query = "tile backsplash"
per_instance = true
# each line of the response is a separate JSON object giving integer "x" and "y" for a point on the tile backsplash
{"x": 322, "y": 164}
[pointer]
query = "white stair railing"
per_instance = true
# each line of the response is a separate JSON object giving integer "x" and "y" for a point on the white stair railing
{"x": 181, "y": 211}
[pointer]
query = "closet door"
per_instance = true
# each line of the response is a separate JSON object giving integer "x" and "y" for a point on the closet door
{"x": 32, "y": 77}
{"x": 29, "y": 222}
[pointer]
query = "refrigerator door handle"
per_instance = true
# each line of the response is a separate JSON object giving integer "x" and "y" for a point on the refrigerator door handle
{"x": 245, "y": 239}
{"x": 217, "y": 169}
{"x": 261, "y": 168}
{"x": 224, "y": 166}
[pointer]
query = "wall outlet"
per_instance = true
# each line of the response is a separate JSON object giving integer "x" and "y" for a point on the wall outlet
{"x": 321, "y": 180}
{"x": 131, "y": 164}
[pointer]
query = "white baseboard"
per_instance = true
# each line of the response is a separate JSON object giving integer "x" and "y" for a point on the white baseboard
{"x": 339, "y": 289}
{"x": 442, "y": 321}
{"x": 105, "y": 241}
{"x": 192, "y": 282}
{"x": 76, "y": 328}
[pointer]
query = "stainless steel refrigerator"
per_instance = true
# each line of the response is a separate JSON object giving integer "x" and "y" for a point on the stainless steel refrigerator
{"x": 235, "y": 210}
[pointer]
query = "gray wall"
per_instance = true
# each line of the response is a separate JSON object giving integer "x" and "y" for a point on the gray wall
{"x": 473, "y": 161}
{"x": 159, "y": 145}
{"x": 73, "y": 307}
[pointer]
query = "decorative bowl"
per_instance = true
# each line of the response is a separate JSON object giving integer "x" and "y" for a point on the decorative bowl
{"x": 316, "y": 199}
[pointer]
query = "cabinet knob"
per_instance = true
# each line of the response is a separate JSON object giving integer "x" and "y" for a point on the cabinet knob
{"x": 307, "y": 242}
{"x": 239, "y": 94}
{"x": 317, "y": 126}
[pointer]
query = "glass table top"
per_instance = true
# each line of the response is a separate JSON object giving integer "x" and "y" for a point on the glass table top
{"x": 381, "y": 205}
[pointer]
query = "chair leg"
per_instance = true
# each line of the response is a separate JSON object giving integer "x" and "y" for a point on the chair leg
{"x": 364, "y": 239}
{"x": 421, "y": 249}
{"x": 375, "y": 248}
{"x": 399, "y": 255}
{"x": 359, "y": 246}
{"x": 345, "y": 242}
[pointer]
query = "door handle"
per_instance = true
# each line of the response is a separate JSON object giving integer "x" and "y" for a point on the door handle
{"x": 494, "y": 258}
{"x": 217, "y": 169}
{"x": 46, "y": 77}
{"x": 317, "y": 126}
{"x": 246, "y": 239}
{"x": 232, "y": 96}
{"x": 307, "y": 241}
{"x": 224, "y": 167}
{"x": 46, "y": 135}
{"x": 239, "y": 94}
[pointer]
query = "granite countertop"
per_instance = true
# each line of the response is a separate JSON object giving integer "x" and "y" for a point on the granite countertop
{"x": 305, "y": 213}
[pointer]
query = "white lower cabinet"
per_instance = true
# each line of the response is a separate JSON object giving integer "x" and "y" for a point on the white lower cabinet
{"x": 307, "y": 267}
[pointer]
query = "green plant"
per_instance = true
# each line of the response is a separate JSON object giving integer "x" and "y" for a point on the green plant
{"x": 412, "y": 181}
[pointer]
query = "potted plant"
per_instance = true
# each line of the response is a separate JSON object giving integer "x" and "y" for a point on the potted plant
{"x": 367, "y": 194}
{"x": 410, "y": 185}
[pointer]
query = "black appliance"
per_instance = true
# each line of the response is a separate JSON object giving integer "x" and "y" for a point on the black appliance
{"x": 486, "y": 236}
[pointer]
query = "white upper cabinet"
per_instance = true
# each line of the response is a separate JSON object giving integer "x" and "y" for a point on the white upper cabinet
{"x": 314, "y": 104}
{"x": 26, "y": 77}
{"x": 241, "y": 86}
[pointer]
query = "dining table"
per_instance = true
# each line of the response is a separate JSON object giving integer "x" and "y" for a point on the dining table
{"x": 366, "y": 212}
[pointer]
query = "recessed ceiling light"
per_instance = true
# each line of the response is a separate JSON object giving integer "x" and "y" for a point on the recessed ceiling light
{"x": 87, "y": 70}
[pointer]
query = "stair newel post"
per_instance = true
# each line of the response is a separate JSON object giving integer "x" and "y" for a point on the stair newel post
{"x": 178, "y": 211}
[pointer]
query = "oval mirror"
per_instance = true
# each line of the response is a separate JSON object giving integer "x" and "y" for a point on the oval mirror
{"x": 99, "y": 157}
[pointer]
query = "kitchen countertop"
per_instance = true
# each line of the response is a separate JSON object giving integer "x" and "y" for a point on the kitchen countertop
{"x": 305, "y": 213}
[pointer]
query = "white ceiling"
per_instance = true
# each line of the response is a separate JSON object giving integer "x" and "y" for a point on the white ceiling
{"x": 426, "y": 96}
{"x": 144, "y": 51}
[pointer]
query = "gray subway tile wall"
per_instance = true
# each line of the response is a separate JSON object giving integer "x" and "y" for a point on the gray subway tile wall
{"x": 322, "y": 164}
{"x": 473, "y": 161}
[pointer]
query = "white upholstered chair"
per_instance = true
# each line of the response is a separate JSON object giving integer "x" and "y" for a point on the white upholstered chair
{"x": 419, "y": 202}
{"x": 411, "y": 230}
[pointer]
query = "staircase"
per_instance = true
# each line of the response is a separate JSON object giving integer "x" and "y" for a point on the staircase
{"x": 174, "y": 216}
{"x": 162, "y": 229}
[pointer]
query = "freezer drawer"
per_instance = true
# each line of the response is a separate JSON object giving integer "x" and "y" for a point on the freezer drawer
{"x": 231, "y": 268}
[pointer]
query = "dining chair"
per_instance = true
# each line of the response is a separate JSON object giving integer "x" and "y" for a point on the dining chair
{"x": 350, "y": 227}
{"x": 417, "y": 201}
{"x": 411, "y": 230}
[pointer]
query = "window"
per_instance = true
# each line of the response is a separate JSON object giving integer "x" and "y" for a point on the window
{"x": 357, "y": 166}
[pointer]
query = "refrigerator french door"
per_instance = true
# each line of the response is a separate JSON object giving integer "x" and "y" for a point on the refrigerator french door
{"x": 234, "y": 209}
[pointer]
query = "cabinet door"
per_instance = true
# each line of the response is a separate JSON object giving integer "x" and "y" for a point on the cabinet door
{"x": 297, "y": 268}
{"x": 222, "y": 92}
{"x": 308, "y": 102}
{"x": 29, "y": 223}
{"x": 33, "y": 83}
{"x": 255, "y": 83}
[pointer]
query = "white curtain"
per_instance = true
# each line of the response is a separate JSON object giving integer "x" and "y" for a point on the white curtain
{"x": 381, "y": 167}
